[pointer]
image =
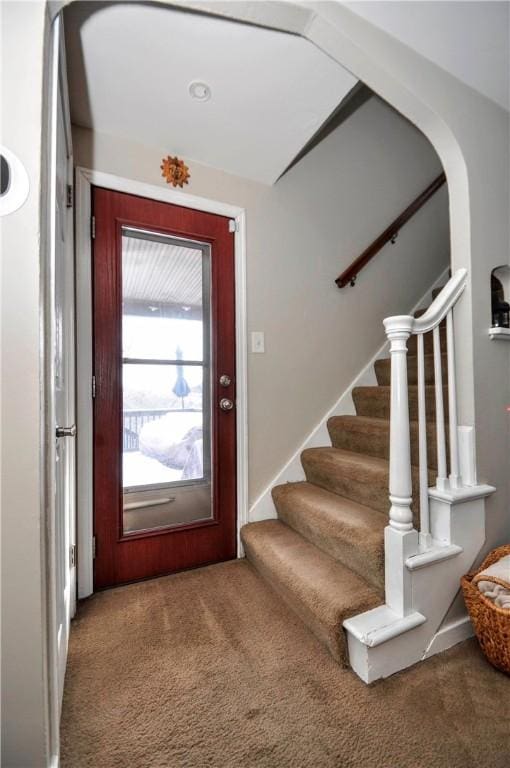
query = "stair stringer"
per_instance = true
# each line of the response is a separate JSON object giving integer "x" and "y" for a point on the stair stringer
{"x": 382, "y": 641}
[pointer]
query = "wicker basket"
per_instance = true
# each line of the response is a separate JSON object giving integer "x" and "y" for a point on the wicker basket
{"x": 491, "y": 624}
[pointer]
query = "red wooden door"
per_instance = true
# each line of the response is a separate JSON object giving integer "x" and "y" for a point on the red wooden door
{"x": 164, "y": 407}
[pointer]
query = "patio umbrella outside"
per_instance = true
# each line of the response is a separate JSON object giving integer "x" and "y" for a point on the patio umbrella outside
{"x": 181, "y": 386}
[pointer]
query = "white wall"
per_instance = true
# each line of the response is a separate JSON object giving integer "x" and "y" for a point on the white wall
{"x": 301, "y": 234}
{"x": 25, "y": 736}
{"x": 468, "y": 39}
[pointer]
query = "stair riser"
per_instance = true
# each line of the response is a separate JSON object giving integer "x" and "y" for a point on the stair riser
{"x": 372, "y": 491}
{"x": 377, "y": 443}
{"x": 264, "y": 569}
{"x": 376, "y": 404}
{"x": 383, "y": 370}
{"x": 320, "y": 591}
{"x": 353, "y": 555}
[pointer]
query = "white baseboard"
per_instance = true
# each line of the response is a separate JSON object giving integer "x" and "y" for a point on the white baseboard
{"x": 263, "y": 507}
{"x": 292, "y": 472}
{"x": 450, "y": 635}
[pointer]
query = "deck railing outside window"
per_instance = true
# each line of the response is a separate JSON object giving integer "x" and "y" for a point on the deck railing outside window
{"x": 134, "y": 420}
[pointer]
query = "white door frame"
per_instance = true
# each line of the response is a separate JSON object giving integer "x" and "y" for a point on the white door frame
{"x": 64, "y": 513}
{"x": 85, "y": 178}
{"x": 56, "y": 642}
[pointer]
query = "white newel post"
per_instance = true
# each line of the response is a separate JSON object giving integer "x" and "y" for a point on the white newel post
{"x": 398, "y": 330}
{"x": 400, "y": 538}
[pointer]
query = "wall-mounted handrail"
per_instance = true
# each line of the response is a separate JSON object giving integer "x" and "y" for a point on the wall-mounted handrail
{"x": 350, "y": 274}
{"x": 398, "y": 330}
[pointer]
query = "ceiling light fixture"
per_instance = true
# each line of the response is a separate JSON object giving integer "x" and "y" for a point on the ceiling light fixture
{"x": 199, "y": 91}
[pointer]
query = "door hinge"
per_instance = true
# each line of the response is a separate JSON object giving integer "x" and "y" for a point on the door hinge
{"x": 69, "y": 196}
{"x": 72, "y": 555}
{"x": 93, "y": 547}
{"x": 233, "y": 225}
{"x": 93, "y": 227}
{"x": 93, "y": 387}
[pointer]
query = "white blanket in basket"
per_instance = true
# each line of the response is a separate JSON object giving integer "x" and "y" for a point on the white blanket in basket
{"x": 494, "y": 582}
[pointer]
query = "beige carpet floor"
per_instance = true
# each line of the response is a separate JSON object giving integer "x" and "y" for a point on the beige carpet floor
{"x": 208, "y": 668}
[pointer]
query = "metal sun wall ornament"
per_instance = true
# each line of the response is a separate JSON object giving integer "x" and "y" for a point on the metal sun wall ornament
{"x": 175, "y": 171}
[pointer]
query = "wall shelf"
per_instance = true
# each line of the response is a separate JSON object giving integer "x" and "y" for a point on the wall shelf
{"x": 503, "y": 334}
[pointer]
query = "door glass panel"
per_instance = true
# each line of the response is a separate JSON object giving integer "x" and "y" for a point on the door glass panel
{"x": 156, "y": 337}
{"x": 162, "y": 287}
{"x": 162, "y": 424}
{"x": 166, "y": 473}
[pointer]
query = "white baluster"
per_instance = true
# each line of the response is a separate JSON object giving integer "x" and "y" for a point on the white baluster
{"x": 455, "y": 479}
{"x": 425, "y": 537}
{"x": 398, "y": 330}
{"x": 442, "y": 480}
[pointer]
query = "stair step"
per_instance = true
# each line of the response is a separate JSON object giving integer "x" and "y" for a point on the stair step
{"x": 383, "y": 369}
{"x": 322, "y": 591}
{"x": 371, "y": 436}
{"x": 351, "y": 533}
{"x": 436, "y": 292}
{"x": 375, "y": 402}
{"x": 364, "y": 479}
{"x": 428, "y": 342}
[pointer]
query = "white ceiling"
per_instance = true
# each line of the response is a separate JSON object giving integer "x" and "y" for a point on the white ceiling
{"x": 470, "y": 40}
{"x": 130, "y": 66}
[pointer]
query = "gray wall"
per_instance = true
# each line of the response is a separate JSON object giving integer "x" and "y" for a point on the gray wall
{"x": 301, "y": 234}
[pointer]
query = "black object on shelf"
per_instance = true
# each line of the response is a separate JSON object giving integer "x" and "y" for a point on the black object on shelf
{"x": 501, "y": 314}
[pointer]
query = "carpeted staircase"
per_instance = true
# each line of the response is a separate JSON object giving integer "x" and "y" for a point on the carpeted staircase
{"x": 324, "y": 554}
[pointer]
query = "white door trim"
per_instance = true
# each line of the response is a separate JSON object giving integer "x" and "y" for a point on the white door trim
{"x": 85, "y": 178}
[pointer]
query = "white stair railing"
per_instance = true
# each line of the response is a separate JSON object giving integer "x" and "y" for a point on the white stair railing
{"x": 398, "y": 330}
{"x": 423, "y": 567}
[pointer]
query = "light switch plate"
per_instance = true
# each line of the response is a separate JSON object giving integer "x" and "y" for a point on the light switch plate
{"x": 257, "y": 341}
